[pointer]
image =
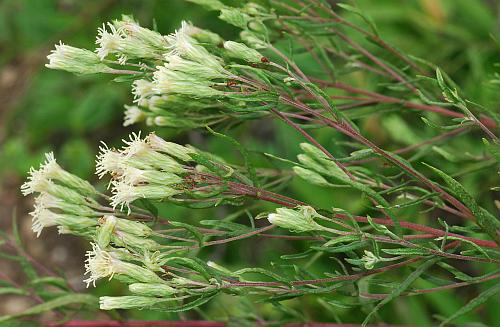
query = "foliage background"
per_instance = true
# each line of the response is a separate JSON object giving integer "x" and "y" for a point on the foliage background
{"x": 42, "y": 110}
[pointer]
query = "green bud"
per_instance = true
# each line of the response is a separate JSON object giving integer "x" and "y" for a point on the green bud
{"x": 105, "y": 230}
{"x": 300, "y": 219}
{"x": 172, "y": 149}
{"x": 241, "y": 51}
{"x": 311, "y": 176}
{"x": 128, "y": 302}
{"x": 235, "y": 17}
{"x": 253, "y": 40}
{"x": 159, "y": 290}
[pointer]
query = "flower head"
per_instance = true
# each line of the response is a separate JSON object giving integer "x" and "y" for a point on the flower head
{"x": 142, "y": 90}
{"x": 133, "y": 115}
{"x": 41, "y": 218}
{"x": 75, "y": 60}
{"x": 38, "y": 181}
{"x": 101, "y": 264}
{"x": 109, "y": 161}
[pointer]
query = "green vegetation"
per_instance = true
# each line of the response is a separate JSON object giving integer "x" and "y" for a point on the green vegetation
{"x": 260, "y": 162}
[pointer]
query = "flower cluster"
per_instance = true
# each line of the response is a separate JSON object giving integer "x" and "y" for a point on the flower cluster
{"x": 175, "y": 77}
{"x": 64, "y": 200}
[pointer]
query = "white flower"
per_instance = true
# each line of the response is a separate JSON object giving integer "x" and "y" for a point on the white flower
{"x": 109, "y": 42}
{"x": 42, "y": 217}
{"x": 133, "y": 115}
{"x": 109, "y": 161}
{"x": 38, "y": 181}
{"x": 99, "y": 264}
{"x": 142, "y": 90}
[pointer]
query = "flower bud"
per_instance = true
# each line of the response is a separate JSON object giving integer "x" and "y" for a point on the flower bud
{"x": 300, "y": 219}
{"x": 125, "y": 239}
{"x": 311, "y": 176}
{"x": 235, "y": 17}
{"x": 76, "y": 60}
{"x": 174, "y": 82}
{"x": 241, "y": 51}
{"x": 318, "y": 161}
{"x": 173, "y": 149}
{"x": 193, "y": 68}
{"x": 127, "y": 302}
{"x": 105, "y": 231}
{"x": 159, "y": 290}
{"x": 252, "y": 40}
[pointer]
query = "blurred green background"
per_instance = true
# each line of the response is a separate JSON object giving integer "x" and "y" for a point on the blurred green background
{"x": 43, "y": 110}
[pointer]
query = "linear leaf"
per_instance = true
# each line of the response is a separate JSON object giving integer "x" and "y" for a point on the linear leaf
{"x": 402, "y": 287}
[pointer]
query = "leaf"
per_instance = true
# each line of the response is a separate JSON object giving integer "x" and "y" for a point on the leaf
{"x": 358, "y": 12}
{"x": 485, "y": 220}
{"x": 85, "y": 299}
{"x": 149, "y": 206}
{"x": 193, "y": 230}
{"x": 12, "y": 290}
{"x": 54, "y": 281}
{"x": 244, "y": 153}
{"x": 406, "y": 251}
{"x": 457, "y": 273}
{"x": 474, "y": 303}
{"x": 263, "y": 272}
{"x": 188, "y": 306}
{"x": 402, "y": 287}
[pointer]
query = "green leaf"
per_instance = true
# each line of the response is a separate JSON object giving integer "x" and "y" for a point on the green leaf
{"x": 244, "y": 153}
{"x": 12, "y": 290}
{"x": 402, "y": 287}
{"x": 361, "y": 14}
{"x": 54, "y": 281}
{"x": 474, "y": 303}
{"x": 193, "y": 230}
{"x": 485, "y": 220}
{"x": 84, "y": 299}
{"x": 406, "y": 251}
{"x": 149, "y": 206}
